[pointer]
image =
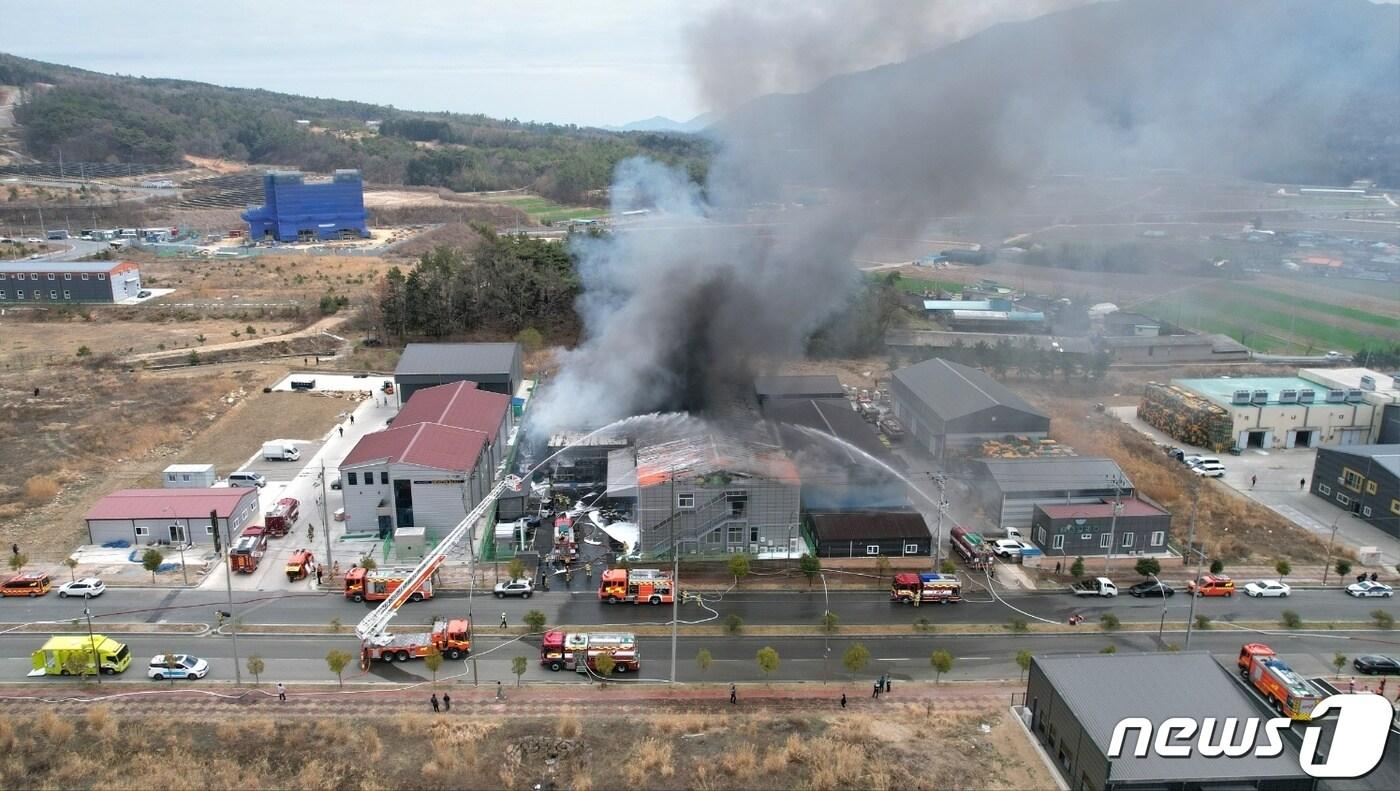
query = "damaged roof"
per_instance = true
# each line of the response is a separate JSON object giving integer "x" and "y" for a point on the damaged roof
{"x": 708, "y": 454}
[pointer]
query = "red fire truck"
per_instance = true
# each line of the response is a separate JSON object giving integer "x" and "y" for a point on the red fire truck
{"x": 639, "y": 586}
{"x": 453, "y": 639}
{"x": 1290, "y": 693}
{"x": 579, "y": 652}
{"x": 248, "y": 550}
{"x": 565, "y": 540}
{"x": 282, "y": 518}
{"x": 376, "y": 585}
{"x": 925, "y": 588}
{"x": 301, "y": 564}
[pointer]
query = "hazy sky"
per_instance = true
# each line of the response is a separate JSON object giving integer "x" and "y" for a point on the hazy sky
{"x": 581, "y": 61}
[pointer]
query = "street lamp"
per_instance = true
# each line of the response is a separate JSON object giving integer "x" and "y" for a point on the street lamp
{"x": 1191, "y": 616}
{"x": 92, "y": 645}
{"x": 1330, "y": 541}
{"x": 1113, "y": 523}
{"x": 1161, "y": 591}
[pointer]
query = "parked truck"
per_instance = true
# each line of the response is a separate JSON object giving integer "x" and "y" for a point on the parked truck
{"x": 638, "y": 586}
{"x": 70, "y": 654}
{"x": 925, "y": 588}
{"x": 365, "y": 585}
{"x": 579, "y": 651}
{"x": 975, "y": 549}
{"x": 1289, "y": 693}
{"x": 248, "y": 549}
{"x": 451, "y": 638}
{"x": 1099, "y": 586}
{"x": 280, "y": 450}
{"x": 283, "y": 517}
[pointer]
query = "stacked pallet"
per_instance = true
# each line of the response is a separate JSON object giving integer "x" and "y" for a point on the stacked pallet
{"x": 1186, "y": 417}
{"x": 1020, "y": 447}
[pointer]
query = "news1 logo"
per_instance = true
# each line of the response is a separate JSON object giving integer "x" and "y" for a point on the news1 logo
{"x": 1358, "y": 742}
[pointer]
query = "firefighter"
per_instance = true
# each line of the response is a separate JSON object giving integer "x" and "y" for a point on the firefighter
{"x": 588, "y": 571}
{"x": 504, "y": 624}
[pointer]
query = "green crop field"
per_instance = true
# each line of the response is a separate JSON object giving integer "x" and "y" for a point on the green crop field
{"x": 1384, "y": 322}
{"x": 543, "y": 210}
{"x": 916, "y": 285}
{"x": 1265, "y": 328}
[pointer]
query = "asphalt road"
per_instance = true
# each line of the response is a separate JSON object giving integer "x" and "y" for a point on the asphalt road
{"x": 803, "y": 658}
{"x": 581, "y": 607}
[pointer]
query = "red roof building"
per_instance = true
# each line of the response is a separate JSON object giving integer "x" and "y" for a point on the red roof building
{"x": 175, "y": 516}
{"x": 430, "y": 445}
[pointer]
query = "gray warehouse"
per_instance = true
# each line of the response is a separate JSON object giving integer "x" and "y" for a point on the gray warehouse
{"x": 495, "y": 367}
{"x": 1363, "y": 479}
{"x": 1013, "y": 487}
{"x": 950, "y": 407}
{"x": 47, "y": 282}
{"x": 1076, "y": 702}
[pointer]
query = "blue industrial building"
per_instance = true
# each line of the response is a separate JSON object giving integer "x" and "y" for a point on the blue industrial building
{"x": 297, "y": 211}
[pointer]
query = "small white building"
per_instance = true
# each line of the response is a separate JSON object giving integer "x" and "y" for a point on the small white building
{"x": 189, "y": 476}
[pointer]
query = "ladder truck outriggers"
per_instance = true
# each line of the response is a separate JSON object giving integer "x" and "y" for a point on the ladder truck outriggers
{"x": 451, "y": 638}
{"x": 373, "y": 628}
{"x": 579, "y": 651}
{"x": 638, "y": 586}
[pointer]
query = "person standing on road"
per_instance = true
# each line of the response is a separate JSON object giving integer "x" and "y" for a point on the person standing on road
{"x": 446, "y": 702}
{"x": 352, "y": 418}
{"x": 843, "y": 700}
{"x": 14, "y": 548}
{"x": 875, "y": 694}
{"x": 1302, "y": 484}
{"x": 1253, "y": 479}
{"x": 318, "y": 573}
{"x": 504, "y": 625}
{"x": 433, "y": 700}
{"x": 733, "y": 695}
{"x": 281, "y": 692}
{"x": 342, "y": 430}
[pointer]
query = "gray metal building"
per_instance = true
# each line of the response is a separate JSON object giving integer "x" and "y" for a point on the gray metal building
{"x": 947, "y": 407}
{"x": 1142, "y": 528}
{"x": 171, "y": 516}
{"x": 1075, "y": 702}
{"x": 495, "y": 367}
{"x": 869, "y": 534}
{"x": 1011, "y": 488}
{"x": 1362, "y": 479}
{"x": 777, "y": 388}
{"x": 48, "y": 282}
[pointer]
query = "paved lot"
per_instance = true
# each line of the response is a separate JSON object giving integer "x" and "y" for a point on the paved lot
{"x": 340, "y": 382}
{"x": 1272, "y": 478}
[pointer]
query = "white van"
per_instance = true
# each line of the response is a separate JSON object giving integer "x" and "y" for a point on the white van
{"x": 280, "y": 450}
{"x": 246, "y": 479}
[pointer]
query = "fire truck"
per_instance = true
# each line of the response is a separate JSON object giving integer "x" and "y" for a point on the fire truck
{"x": 1290, "y": 693}
{"x": 925, "y": 588}
{"x": 301, "y": 564}
{"x": 376, "y": 585}
{"x": 639, "y": 586}
{"x": 282, "y": 517}
{"x": 579, "y": 652}
{"x": 452, "y": 639}
{"x": 248, "y": 550}
{"x": 972, "y": 546}
{"x": 565, "y": 539}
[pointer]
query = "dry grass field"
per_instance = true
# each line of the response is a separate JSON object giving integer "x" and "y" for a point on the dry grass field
{"x": 26, "y": 344}
{"x": 265, "y": 278}
{"x": 904, "y": 746}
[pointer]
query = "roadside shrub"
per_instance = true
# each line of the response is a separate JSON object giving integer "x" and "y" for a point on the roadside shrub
{"x": 1202, "y": 621}
{"x": 1109, "y": 622}
{"x": 40, "y": 489}
{"x": 1291, "y": 619}
{"x": 1383, "y": 619}
{"x": 1018, "y": 625}
{"x": 1109, "y": 649}
{"x": 733, "y": 624}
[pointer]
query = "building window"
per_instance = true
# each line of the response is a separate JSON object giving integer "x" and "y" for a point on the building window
{"x": 2, "y": 275}
{"x": 685, "y": 501}
{"x": 1370, "y": 487}
{"x": 53, "y": 294}
{"x": 170, "y": 476}
{"x": 753, "y": 534}
{"x": 1057, "y": 543}
{"x": 33, "y": 275}
{"x": 872, "y": 549}
{"x": 1323, "y": 489}
{"x": 208, "y": 530}
{"x": 714, "y": 537}
{"x": 101, "y": 276}
{"x": 185, "y": 476}
{"x": 67, "y": 294}
{"x": 85, "y": 275}
{"x": 1128, "y": 540}
{"x": 1343, "y": 500}
{"x": 352, "y": 478}
{"x": 67, "y": 275}
{"x": 1040, "y": 534}
{"x": 19, "y": 293}
{"x": 1366, "y": 510}
{"x": 1158, "y": 536}
{"x": 911, "y": 549}
{"x": 142, "y": 531}
{"x": 1103, "y": 540}
{"x": 1395, "y": 507}
{"x": 2, "y": 294}
{"x": 1352, "y": 479}
{"x": 736, "y": 535}
{"x": 51, "y": 276}
{"x": 383, "y": 477}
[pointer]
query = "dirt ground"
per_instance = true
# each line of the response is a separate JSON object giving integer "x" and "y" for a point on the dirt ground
{"x": 265, "y": 278}
{"x": 685, "y": 744}
{"x": 25, "y": 344}
{"x": 93, "y": 432}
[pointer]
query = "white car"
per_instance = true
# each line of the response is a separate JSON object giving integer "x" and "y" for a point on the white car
{"x": 34, "y": 240}
{"x": 87, "y": 587}
{"x": 1334, "y": 355}
{"x": 1368, "y": 588}
{"x": 518, "y": 587}
{"x": 177, "y": 666}
{"x": 1009, "y": 547}
{"x": 1260, "y": 588}
{"x": 1209, "y": 469}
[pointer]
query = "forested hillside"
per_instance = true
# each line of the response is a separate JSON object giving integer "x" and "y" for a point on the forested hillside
{"x": 98, "y": 117}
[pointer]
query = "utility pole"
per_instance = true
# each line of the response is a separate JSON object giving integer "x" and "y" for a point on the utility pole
{"x": 1191, "y": 535}
{"x": 942, "y": 481}
{"x": 92, "y": 646}
{"x": 1113, "y": 523}
{"x": 228, "y": 589}
{"x": 675, "y": 577}
{"x": 325, "y": 518}
{"x": 471, "y": 575}
{"x": 1330, "y": 541}
{"x": 1191, "y": 617}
